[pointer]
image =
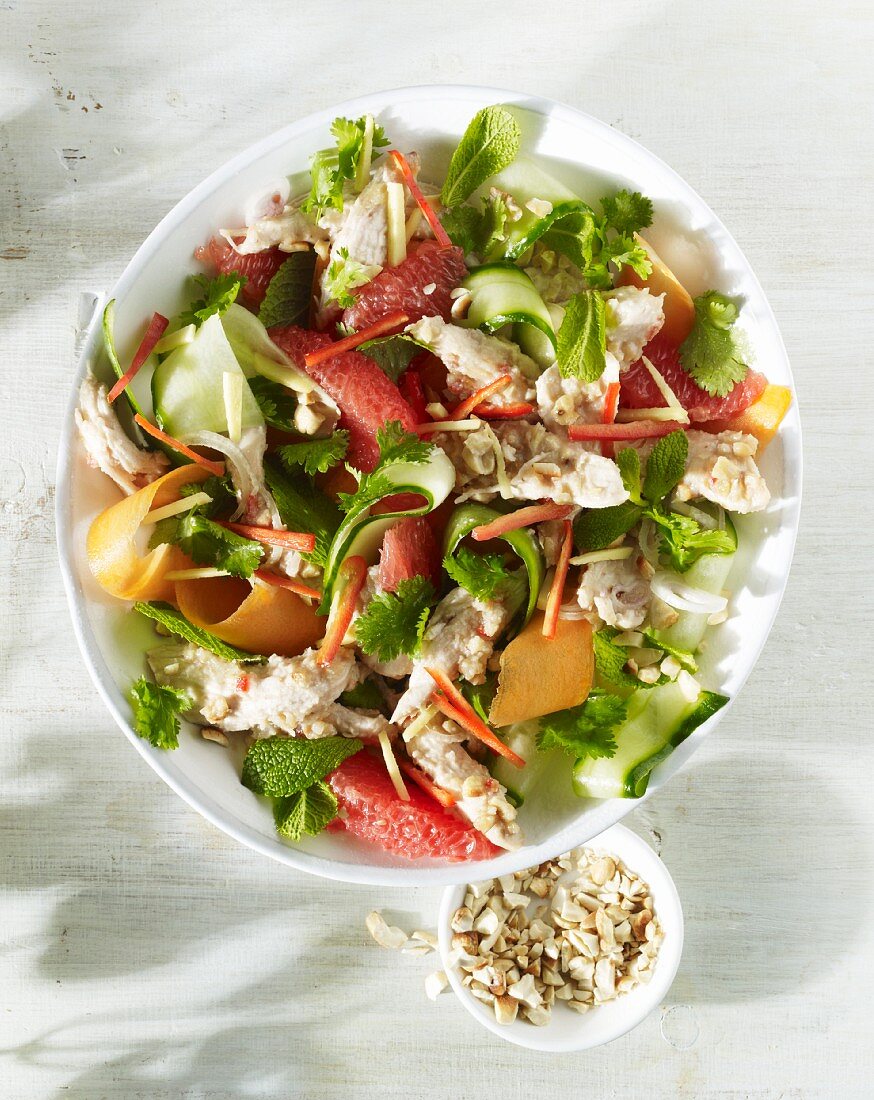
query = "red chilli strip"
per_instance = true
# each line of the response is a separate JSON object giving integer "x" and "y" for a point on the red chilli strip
{"x": 413, "y": 393}
{"x": 153, "y": 334}
{"x": 409, "y": 769}
{"x": 516, "y": 411}
{"x": 279, "y": 581}
{"x": 450, "y": 697}
{"x": 608, "y": 415}
{"x": 636, "y": 429}
{"x": 440, "y": 234}
{"x": 217, "y": 468}
{"x": 350, "y": 580}
{"x": 290, "y": 540}
{"x": 522, "y": 517}
{"x": 553, "y": 603}
{"x": 379, "y": 328}
{"x": 467, "y": 406}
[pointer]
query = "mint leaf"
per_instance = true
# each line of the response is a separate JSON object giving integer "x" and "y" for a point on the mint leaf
{"x": 176, "y": 623}
{"x": 490, "y": 142}
{"x": 485, "y": 576}
{"x": 290, "y": 291}
{"x": 394, "y": 622}
{"x": 392, "y": 354}
{"x": 462, "y": 223}
{"x": 598, "y": 528}
{"x": 712, "y": 353}
{"x": 574, "y": 236}
{"x": 208, "y": 543}
{"x": 156, "y": 712}
{"x": 686, "y": 659}
{"x": 277, "y": 403}
{"x": 628, "y": 461}
{"x": 665, "y": 465}
{"x": 586, "y": 730}
{"x": 610, "y": 660}
{"x": 164, "y": 531}
{"x": 582, "y": 338}
{"x": 303, "y": 507}
{"x": 627, "y": 212}
{"x": 364, "y": 696}
{"x": 317, "y": 456}
{"x": 219, "y": 293}
{"x": 307, "y": 811}
{"x": 281, "y": 766}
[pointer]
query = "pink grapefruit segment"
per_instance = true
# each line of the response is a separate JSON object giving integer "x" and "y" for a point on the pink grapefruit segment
{"x": 258, "y": 267}
{"x": 402, "y": 288}
{"x": 366, "y": 397}
{"x": 409, "y": 550}
{"x": 639, "y": 391}
{"x": 371, "y": 810}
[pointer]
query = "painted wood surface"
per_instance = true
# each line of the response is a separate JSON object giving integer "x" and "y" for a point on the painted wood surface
{"x": 143, "y": 954}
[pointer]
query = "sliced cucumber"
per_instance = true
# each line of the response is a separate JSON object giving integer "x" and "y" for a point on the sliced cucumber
{"x": 138, "y": 398}
{"x": 503, "y": 294}
{"x": 659, "y": 720}
{"x": 187, "y": 388}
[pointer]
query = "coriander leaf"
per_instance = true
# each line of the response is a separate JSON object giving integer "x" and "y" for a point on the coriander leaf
{"x": 713, "y": 354}
{"x": 462, "y": 224}
{"x": 627, "y": 212}
{"x": 628, "y": 461}
{"x": 219, "y": 293}
{"x": 392, "y": 354}
{"x": 317, "y": 456}
{"x": 683, "y": 540}
{"x": 303, "y": 507}
{"x": 330, "y": 168}
{"x": 156, "y": 712}
{"x": 176, "y": 623}
{"x": 350, "y": 142}
{"x": 281, "y": 766}
{"x": 220, "y": 489}
{"x": 610, "y": 660}
{"x": 394, "y": 622}
{"x": 626, "y": 252}
{"x": 586, "y": 730}
{"x": 665, "y": 465}
{"x": 598, "y": 528}
{"x": 307, "y": 811}
{"x": 364, "y": 696}
{"x": 485, "y": 576}
{"x": 277, "y": 403}
{"x": 344, "y": 275}
{"x": 582, "y": 338}
{"x": 163, "y": 531}
{"x": 287, "y": 300}
{"x": 395, "y": 446}
{"x": 490, "y": 142}
{"x": 208, "y": 543}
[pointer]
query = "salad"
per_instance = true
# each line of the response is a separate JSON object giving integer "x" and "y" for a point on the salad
{"x": 429, "y": 494}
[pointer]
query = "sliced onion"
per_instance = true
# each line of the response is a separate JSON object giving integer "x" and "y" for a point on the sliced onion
{"x": 268, "y": 201}
{"x": 684, "y": 597}
{"x": 243, "y": 473}
{"x": 702, "y": 518}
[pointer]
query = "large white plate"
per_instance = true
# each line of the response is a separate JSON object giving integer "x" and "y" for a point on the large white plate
{"x": 591, "y": 158}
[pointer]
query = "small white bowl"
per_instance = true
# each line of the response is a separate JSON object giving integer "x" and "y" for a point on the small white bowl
{"x": 567, "y": 1030}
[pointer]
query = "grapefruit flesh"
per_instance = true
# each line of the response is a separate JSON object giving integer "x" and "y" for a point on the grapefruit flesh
{"x": 639, "y": 391}
{"x": 403, "y": 287}
{"x": 409, "y": 550}
{"x": 366, "y": 397}
{"x": 258, "y": 267}
{"x": 372, "y": 811}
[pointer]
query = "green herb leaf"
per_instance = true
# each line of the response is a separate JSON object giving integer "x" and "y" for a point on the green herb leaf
{"x": 303, "y": 507}
{"x": 317, "y": 456}
{"x": 628, "y": 461}
{"x": 277, "y": 403}
{"x": 665, "y": 466}
{"x": 462, "y": 223}
{"x": 574, "y": 236}
{"x": 490, "y": 142}
{"x": 627, "y": 212}
{"x": 713, "y": 354}
{"x": 307, "y": 811}
{"x": 289, "y": 292}
{"x": 392, "y": 354}
{"x": 395, "y": 446}
{"x": 586, "y": 730}
{"x": 208, "y": 543}
{"x": 282, "y": 766}
{"x": 686, "y": 659}
{"x": 219, "y": 293}
{"x": 364, "y": 696}
{"x": 156, "y": 712}
{"x": 220, "y": 489}
{"x": 344, "y": 275}
{"x": 582, "y": 338}
{"x": 176, "y": 623}
{"x": 394, "y": 622}
{"x": 330, "y": 168}
{"x": 485, "y": 576}
{"x": 683, "y": 540}
{"x": 598, "y": 528}
{"x": 610, "y": 660}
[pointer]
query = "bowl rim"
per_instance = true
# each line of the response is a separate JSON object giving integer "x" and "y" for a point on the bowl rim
{"x": 603, "y": 816}
{"x": 637, "y": 854}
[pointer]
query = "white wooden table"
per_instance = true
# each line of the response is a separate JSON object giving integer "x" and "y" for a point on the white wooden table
{"x": 144, "y": 955}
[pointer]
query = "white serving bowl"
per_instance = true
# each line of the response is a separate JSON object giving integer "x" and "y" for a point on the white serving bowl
{"x": 567, "y": 1030}
{"x": 592, "y": 158}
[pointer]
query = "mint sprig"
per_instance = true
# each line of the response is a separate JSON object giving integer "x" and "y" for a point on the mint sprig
{"x": 582, "y": 338}
{"x": 307, "y": 812}
{"x": 283, "y": 766}
{"x": 176, "y": 623}
{"x": 490, "y": 142}
{"x": 290, "y": 291}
